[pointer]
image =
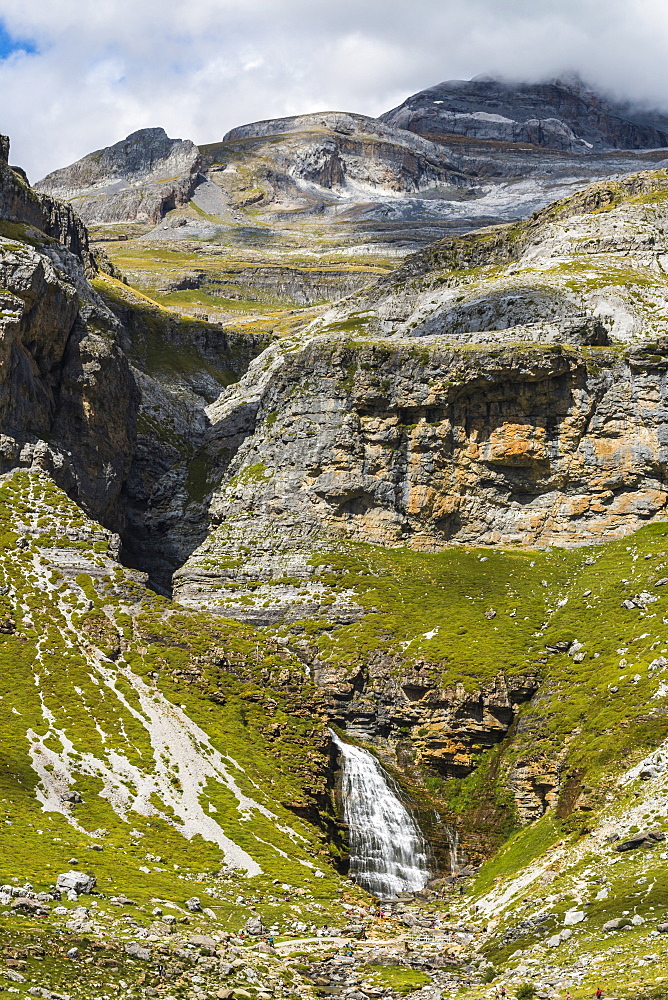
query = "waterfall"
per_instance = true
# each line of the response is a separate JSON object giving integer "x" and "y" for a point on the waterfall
{"x": 387, "y": 850}
{"x": 453, "y": 847}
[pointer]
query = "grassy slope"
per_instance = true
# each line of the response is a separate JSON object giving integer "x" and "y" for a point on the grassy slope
{"x": 68, "y": 632}
{"x": 577, "y": 723}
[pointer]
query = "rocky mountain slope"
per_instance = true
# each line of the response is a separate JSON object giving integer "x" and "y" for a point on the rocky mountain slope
{"x": 561, "y": 114}
{"x": 139, "y": 179}
{"x": 502, "y": 388}
{"x": 431, "y": 514}
{"x": 452, "y": 154}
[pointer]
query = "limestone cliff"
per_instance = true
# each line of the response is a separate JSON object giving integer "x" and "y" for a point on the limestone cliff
{"x": 515, "y": 400}
{"x": 334, "y": 150}
{"x": 57, "y": 219}
{"x": 138, "y": 179}
{"x": 67, "y": 398}
{"x": 561, "y": 114}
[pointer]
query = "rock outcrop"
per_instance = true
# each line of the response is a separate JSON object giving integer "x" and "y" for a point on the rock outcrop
{"x": 562, "y": 114}
{"x": 422, "y": 447}
{"x": 19, "y": 203}
{"x": 335, "y": 150}
{"x": 450, "y": 726}
{"x": 136, "y": 180}
{"x": 67, "y": 397}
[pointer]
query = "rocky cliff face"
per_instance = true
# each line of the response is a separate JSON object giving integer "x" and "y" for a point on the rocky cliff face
{"x": 335, "y": 150}
{"x": 19, "y": 203}
{"x": 562, "y": 114}
{"x": 423, "y": 447}
{"x": 67, "y": 400}
{"x": 136, "y": 180}
{"x": 491, "y": 404}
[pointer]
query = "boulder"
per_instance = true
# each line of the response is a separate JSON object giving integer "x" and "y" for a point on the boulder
{"x": 355, "y": 931}
{"x": 573, "y": 917}
{"x": 135, "y": 950}
{"x": 648, "y": 838}
{"x": 76, "y": 882}
{"x": 662, "y": 928}
{"x": 194, "y": 904}
{"x": 203, "y": 941}
{"x": 618, "y": 924}
{"x": 161, "y": 929}
{"x": 24, "y": 905}
{"x": 255, "y": 926}
{"x": 14, "y": 976}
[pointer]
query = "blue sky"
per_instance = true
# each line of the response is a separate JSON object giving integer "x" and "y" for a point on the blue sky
{"x": 77, "y": 75}
{"x": 9, "y": 44}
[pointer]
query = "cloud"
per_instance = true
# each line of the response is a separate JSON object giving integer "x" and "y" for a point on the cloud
{"x": 78, "y": 75}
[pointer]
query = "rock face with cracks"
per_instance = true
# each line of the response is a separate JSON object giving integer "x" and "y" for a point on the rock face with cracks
{"x": 67, "y": 398}
{"x": 561, "y": 114}
{"x": 138, "y": 179}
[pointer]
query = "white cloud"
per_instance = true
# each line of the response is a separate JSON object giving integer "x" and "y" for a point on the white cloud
{"x": 199, "y": 67}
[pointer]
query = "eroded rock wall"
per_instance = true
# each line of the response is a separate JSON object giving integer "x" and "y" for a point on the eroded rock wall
{"x": 138, "y": 179}
{"x": 67, "y": 397}
{"x": 425, "y": 446}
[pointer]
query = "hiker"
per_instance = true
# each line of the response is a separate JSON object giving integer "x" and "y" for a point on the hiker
{"x": 599, "y": 993}
{"x": 271, "y": 940}
{"x": 503, "y": 991}
{"x": 161, "y": 971}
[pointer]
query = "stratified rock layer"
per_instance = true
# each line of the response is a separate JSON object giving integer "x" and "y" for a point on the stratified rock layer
{"x": 427, "y": 446}
{"x": 67, "y": 398}
{"x": 561, "y": 114}
{"x": 136, "y": 180}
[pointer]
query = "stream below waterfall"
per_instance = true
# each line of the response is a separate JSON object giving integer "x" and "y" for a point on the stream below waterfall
{"x": 388, "y": 853}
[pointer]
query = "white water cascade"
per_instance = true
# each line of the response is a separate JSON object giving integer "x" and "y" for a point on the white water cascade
{"x": 388, "y": 853}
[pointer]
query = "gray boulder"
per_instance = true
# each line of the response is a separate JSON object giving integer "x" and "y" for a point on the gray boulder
{"x": 648, "y": 838}
{"x": 255, "y": 926}
{"x": 13, "y": 975}
{"x": 203, "y": 941}
{"x": 354, "y": 931}
{"x": 618, "y": 924}
{"x": 76, "y": 882}
{"x": 135, "y": 950}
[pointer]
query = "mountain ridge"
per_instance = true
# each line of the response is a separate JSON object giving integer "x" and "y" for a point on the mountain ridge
{"x": 424, "y": 503}
{"x": 354, "y": 166}
{"x": 559, "y": 113}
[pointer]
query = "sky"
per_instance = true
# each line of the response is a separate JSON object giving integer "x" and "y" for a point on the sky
{"x": 76, "y": 75}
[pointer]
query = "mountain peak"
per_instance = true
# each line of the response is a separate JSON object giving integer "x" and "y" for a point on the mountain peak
{"x": 142, "y": 176}
{"x": 562, "y": 113}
